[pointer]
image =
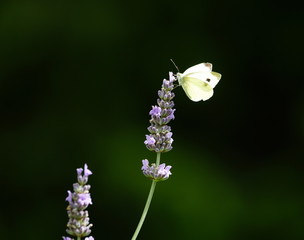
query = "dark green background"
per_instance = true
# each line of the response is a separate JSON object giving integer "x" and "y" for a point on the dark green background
{"x": 77, "y": 80}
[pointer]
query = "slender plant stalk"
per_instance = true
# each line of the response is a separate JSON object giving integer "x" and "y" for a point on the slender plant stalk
{"x": 158, "y": 159}
{"x": 149, "y": 199}
{"x": 159, "y": 140}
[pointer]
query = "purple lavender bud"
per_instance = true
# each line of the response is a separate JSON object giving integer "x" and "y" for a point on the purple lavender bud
{"x": 164, "y": 171}
{"x": 149, "y": 140}
{"x": 156, "y": 173}
{"x": 161, "y": 115}
{"x": 89, "y": 238}
{"x": 79, "y": 171}
{"x": 145, "y": 163}
{"x": 169, "y": 135}
{"x": 166, "y": 84}
{"x": 171, "y": 114}
{"x": 83, "y": 178}
{"x": 78, "y": 224}
{"x": 164, "y": 104}
{"x": 171, "y": 77}
{"x": 155, "y": 111}
{"x": 69, "y": 197}
{"x": 87, "y": 172}
{"x": 84, "y": 199}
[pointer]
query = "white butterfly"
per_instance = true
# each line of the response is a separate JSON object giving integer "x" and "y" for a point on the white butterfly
{"x": 198, "y": 81}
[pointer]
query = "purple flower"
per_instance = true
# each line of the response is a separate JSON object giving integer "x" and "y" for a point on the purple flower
{"x": 156, "y": 173}
{"x": 164, "y": 170}
{"x": 171, "y": 115}
{"x": 83, "y": 178}
{"x": 79, "y": 171}
{"x": 87, "y": 172}
{"x": 84, "y": 199}
{"x": 69, "y": 197}
{"x": 89, "y": 238}
{"x": 149, "y": 140}
{"x": 78, "y": 224}
{"x": 161, "y": 115}
{"x": 145, "y": 163}
{"x": 155, "y": 111}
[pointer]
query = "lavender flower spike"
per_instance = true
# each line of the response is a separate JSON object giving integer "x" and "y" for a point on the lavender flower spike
{"x": 78, "y": 225}
{"x": 156, "y": 173}
{"x": 160, "y": 138}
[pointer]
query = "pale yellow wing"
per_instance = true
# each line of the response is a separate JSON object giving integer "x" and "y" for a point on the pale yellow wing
{"x": 196, "y": 89}
{"x": 202, "y": 67}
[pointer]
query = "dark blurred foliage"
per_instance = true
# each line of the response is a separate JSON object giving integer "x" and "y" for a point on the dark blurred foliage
{"x": 77, "y": 80}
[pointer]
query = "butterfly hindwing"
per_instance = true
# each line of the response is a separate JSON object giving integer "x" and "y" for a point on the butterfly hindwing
{"x": 196, "y": 90}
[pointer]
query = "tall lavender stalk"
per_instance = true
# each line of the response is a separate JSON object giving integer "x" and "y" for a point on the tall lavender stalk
{"x": 159, "y": 140}
{"x": 78, "y": 225}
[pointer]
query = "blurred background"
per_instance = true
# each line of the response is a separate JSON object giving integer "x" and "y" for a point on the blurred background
{"x": 77, "y": 80}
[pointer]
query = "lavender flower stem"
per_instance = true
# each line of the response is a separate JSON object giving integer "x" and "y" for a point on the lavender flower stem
{"x": 143, "y": 216}
{"x": 158, "y": 159}
{"x": 148, "y": 202}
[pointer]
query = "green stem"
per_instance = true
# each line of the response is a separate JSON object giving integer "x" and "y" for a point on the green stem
{"x": 158, "y": 159}
{"x": 149, "y": 199}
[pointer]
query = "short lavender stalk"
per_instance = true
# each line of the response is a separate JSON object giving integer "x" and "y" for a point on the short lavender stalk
{"x": 78, "y": 225}
{"x": 159, "y": 140}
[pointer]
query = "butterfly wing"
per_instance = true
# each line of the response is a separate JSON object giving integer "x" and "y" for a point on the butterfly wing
{"x": 196, "y": 89}
{"x": 202, "y": 67}
{"x": 198, "y": 81}
{"x": 211, "y": 78}
{"x": 215, "y": 79}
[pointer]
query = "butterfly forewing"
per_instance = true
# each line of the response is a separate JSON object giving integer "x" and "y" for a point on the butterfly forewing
{"x": 202, "y": 67}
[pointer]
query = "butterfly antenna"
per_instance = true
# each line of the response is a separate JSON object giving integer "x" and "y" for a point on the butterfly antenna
{"x": 174, "y": 64}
